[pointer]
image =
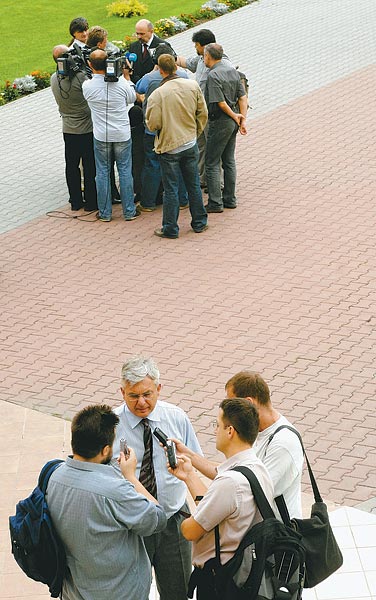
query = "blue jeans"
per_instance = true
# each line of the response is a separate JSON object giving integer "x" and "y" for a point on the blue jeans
{"x": 220, "y": 147}
{"x": 173, "y": 166}
{"x": 152, "y": 177}
{"x": 122, "y": 152}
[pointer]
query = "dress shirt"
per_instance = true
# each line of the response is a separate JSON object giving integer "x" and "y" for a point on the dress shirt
{"x": 173, "y": 421}
{"x": 229, "y": 503}
{"x": 100, "y": 519}
{"x": 109, "y": 102}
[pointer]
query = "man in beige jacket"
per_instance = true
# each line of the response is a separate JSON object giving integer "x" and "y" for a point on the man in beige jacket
{"x": 177, "y": 112}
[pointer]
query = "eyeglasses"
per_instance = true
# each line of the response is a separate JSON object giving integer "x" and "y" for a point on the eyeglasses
{"x": 137, "y": 397}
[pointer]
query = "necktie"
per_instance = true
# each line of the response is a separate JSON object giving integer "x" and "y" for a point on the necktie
{"x": 147, "y": 475}
{"x": 145, "y": 51}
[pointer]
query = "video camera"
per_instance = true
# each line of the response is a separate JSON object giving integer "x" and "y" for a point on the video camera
{"x": 118, "y": 61}
{"x": 71, "y": 61}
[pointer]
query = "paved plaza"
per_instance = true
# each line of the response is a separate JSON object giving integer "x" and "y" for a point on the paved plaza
{"x": 284, "y": 284}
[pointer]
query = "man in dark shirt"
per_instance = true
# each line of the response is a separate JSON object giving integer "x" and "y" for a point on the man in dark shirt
{"x": 77, "y": 133}
{"x": 227, "y": 108}
{"x": 146, "y": 40}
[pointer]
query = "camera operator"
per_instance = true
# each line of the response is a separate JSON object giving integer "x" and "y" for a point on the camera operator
{"x": 109, "y": 103}
{"x": 77, "y": 130}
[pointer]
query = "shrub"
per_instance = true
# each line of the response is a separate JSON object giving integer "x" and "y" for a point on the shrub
{"x": 234, "y": 4}
{"x": 10, "y": 92}
{"x": 219, "y": 7}
{"x": 190, "y": 19}
{"x": 179, "y": 24}
{"x": 125, "y": 43}
{"x": 206, "y": 14}
{"x": 26, "y": 84}
{"x": 126, "y": 8}
{"x": 164, "y": 27}
{"x": 41, "y": 78}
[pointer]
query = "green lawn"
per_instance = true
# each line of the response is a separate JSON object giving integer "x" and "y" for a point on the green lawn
{"x": 30, "y": 29}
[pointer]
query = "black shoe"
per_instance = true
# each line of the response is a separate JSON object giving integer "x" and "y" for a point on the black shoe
{"x": 201, "y": 230}
{"x": 90, "y": 208}
{"x": 136, "y": 214}
{"x": 76, "y": 207}
{"x": 230, "y": 205}
{"x": 159, "y": 233}
{"x": 116, "y": 201}
{"x": 213, "y": 209}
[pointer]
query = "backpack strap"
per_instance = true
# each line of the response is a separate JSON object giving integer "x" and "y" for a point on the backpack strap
{"x": 46, "y": 473}
{"x": 257, "y": 491}
{"x": 315, "y": 488}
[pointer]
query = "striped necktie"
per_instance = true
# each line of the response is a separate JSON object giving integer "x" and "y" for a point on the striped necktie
{"x": 147, "y": 475}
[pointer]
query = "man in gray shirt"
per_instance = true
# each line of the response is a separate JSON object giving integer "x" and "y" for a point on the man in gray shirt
{"x": 77, "y": 133}
{"x": 227, "y": 107}
{"x": 101, "y": 515}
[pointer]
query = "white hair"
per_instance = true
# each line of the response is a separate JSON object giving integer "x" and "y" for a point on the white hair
{"x": 137, "y": 368}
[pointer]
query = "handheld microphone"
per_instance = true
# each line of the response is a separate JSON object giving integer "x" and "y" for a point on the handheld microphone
{"x": 131, "y": 57}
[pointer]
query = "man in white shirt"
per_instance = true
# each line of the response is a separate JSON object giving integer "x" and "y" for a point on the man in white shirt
{"x": 109, "y": 102}
{"x": 228, "y": 501}
{"x": 283, "y": 455}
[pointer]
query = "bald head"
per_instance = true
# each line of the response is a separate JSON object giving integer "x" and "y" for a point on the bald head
{"x": 59, "y": 51}
{"x": 144, "y": 30}
{"x": 97, "y": 60}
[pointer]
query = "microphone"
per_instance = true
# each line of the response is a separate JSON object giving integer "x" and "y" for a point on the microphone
{"x": 131, "y": 57}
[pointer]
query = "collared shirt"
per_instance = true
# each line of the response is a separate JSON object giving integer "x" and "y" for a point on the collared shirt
{"x": 100, "y": 517}
{"x": 109, "y": 102}
{"x": 283, "y": 458}
{"x": 73, "y": 108}
{"x": 196, "y": 65}
{"x": 223, "y": 85}
{"x": 173, "y": 421}
{"x": 229, "y": 503}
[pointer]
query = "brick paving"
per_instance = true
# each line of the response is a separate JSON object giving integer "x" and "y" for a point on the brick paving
{"x": 283, "y": 285}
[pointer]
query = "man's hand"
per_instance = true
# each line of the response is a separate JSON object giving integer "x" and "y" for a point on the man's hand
{"x": 242, "y": 126}
{"x": 128, "y": 464}
{"x": 181, "y": 448}
{"x": 184, "y": 468}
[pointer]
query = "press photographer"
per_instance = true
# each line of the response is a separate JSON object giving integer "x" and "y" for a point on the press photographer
{"x": 66, "y": 85}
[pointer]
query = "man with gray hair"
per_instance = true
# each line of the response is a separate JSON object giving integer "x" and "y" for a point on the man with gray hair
{"x": 141, "y": 413}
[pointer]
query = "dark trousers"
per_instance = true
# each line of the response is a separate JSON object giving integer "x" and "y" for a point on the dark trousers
{"x": 170, "y": 555}
{"x": 77, "y": 147}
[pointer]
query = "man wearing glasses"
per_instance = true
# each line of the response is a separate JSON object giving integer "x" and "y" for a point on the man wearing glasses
{"x": 141, "y": 413}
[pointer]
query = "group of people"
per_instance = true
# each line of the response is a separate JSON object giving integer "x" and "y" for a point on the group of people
{"x": 121, "y": 510}
{"x": 171, "y": 136}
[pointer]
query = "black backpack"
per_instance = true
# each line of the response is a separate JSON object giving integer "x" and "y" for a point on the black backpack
{"x": 269, "y": 563}
{"x": 35, "y": 544}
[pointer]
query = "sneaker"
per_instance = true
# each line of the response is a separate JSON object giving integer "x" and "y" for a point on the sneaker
{"x": 116, "y": 201}
{"x": 182, "y": 207}
{"x": 103, "y": 219}
{"x": 201, "y": 230}
{"x": 230, "y": 205}
{"x": 159, "y": 233}
{"x": 147, "y": 208}
{"x": 136, "y": 214}
{"x": 213, "y": 209}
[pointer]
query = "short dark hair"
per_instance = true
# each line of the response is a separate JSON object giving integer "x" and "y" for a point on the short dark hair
{"x": 78, "y": 24}
{"x": 93, "y": 428}
{"x": 203, "y": 37}
{"x": 163, "y": 48}
{"x": 247, "y": 384}
{"x": 243, "y": 416}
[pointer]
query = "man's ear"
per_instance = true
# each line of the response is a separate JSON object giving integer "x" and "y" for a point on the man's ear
{"x": 106, "y": 451}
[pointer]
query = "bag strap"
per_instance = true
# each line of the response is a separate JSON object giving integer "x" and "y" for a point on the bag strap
{"x": 315, "y": 488}
{"x": 259, "y": 497}
{"x": 257, "y": 491}
{"x": 46, "y": 473}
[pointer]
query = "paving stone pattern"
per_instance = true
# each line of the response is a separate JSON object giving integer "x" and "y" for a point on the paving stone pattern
{"x": 283, "y": 285}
